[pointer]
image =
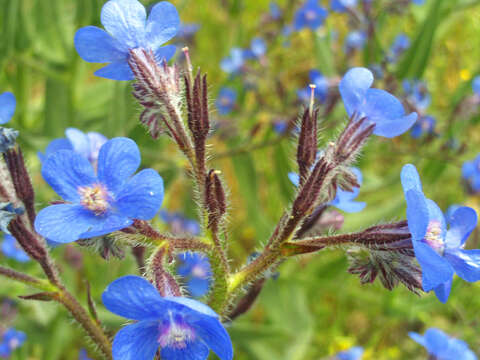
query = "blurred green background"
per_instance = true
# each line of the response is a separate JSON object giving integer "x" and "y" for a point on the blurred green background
{"x": 315, "y": 308}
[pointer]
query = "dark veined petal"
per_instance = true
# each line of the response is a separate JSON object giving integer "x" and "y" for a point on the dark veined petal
{"x": 162, "y": 24}
{"x": 462, "y": 223}
{"x": 96, "y": 45}
{"x": 117, "y": 70}
{"x": 118, "y": 159}
{"x": 136, "y": 341}
{"x": 353, "y": 88}
{"x": 125, "y": 20}
{"x": 194, "y": 350}
{"x": 465, "y": 262}
{"x": 7, "y": 106}
{"x": 165, "y": 52}
{"x": 417, "y": 214}
{"x": 396, "y": 127}
{"x": 435, "y": 269}
{"x": 436, "y": 341}
{"x": 65, "y": 171}
{"x": 443, "y": 291}
{"x": 410, "y": 178}
{"x": 214, "y": 335}
{"x": 142, "y": 196}
{"x": 135, "y": 298}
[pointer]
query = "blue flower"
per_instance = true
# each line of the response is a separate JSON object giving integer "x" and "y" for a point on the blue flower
{"x": 417, "y": 93}
{"x": 275, "y": 11}
{"x": 179, "y": 223}
{"x": 83, "y": 355}
{"x": 442, "y": 346}
{"x": 127, "y": 28}
{"x": 342, "y": 5}
{"x": 424, "y": 126}
{"x": 380, "y": 107}
{"x": 98, "y": 203}
{"x": 226, "y": 100}
{"x": 7, "y": 213}
{"x": 476, "y": 85}
{"x": 196, "y": 269}
{"x": 233, "y": 64}
{"x": 355, "y": 40}
{"x": 310, "y": 15}
{"x": 7, "y": 107}
{"x": 11, "y": 248}
{"x": 354, "y": 353}
{"x": 187, "y": 30}
{"x": 439, "y": 251}
{"x": 183, "y": 328}
{"x": 471, "y": 173}
{"x": 12, "y": 339}
{"x": 418, "y": 2}
{"x": 343, "y": 199}
{"x": 321, "y": 87}
{"x": 399, "y": 46}
{"x": 258, "y": 47}
{"x": 86, "y": 144}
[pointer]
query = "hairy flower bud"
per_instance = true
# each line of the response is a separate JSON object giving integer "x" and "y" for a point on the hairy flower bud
{"x": 214, "y": 199}
{"x": 307, "y": 143}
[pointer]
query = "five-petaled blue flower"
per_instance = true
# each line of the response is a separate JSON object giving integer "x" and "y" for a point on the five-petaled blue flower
{"x": 226, "y": 100}
{"x": 424, "y": 126}
{"x": 233, "y": 63}
{"x": 127, "y": 28}
{"x": 476, "y": 85}
{"x": 310, "y": 15}
{"x": 86, "y": 144}
{"x": 378, "y": 106}
{"x": 417, "y": 93}
{"x": 439, "y": 251}
{"x": 321, "y": 87}
{"x": 195, "y": 268}
{"x": 7, "y": 107}
{"x": 354, "y": 353}
{"x": 12, "y": 339}
{"x": 471, "y": 173}
{"x": 442, "y": 346}
{"x": 342, "y": 5}
{"x": 344, "y": 200}
{"x": 10, "y": 248}
{"x": 399, "y": 46}
{"x": 183, "y": 328}
{"x": 102, "y": 202}
{"x": 355, "y": 40}
{"x": 179, "y": 224}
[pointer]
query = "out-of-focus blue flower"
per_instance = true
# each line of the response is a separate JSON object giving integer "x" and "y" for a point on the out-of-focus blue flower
{"x": 417, "y": 93}
{"x": 471, "y": 173}
{"x": 399, "y": 46}
{"x": 226, "y": 100}
{"x": 187, "y": 30}
{"x": 476, "y": 85}
{"x": 183, "y": 328}
{"x": 344, "y": 200}
{"x": 355, "y": 40}
{"x": 275, "y": 11}
{"x": 127, "y": 28}
{"x": 98, "y": 203}
{"x": 424, "y": 126}
{"x": 418, "y": 2}
{"x": 442, "y": 346}
{"x": 377, "y": 70}
{"x": 179, "y": 224}
{"x": 354, "y": 353}
{"x": 439, "y": 251}
{"x": 86, "y": 144}
{"x": 7, "y": 213}
{"x": 258, "y": 47}
{"x": 233, "y": 63}
{"x": 378, "y": 106}
{"x": 11, "y": 248}
{"x": 342, "y": 5}
{"x": 195, "y": 268}
{"x": 83, "y": 355}
{"x": 321, "y": 87}
{"x": 7, "y": 107}
{"x": 310, "y": 15}
{"x": 280, "y": 127}
{"x": 11, "y": 340}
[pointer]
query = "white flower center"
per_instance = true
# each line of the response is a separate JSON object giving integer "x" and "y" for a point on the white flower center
{"x": 433, "y": 237}
{"x": 94, "y": 198}
{"x": 311, "y": 15}
{"x": 175, "y": 333}
{"x": 199, "y": 272}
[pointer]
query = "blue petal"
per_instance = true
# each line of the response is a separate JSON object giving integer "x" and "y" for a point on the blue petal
{"x": 142, "y": 196}
{"x": 135, "y": 298}
{"x": 214, "y": 335}
{"x": 350, "y": 206}
{"x": 198, "y": 286}
{"x": 435, "y": 269}
{"x": 417, "y": 338}
{"x": 7, "y": 107}
{"x": 10, "y": 248}
{"x": 79, "y": 141}
{"x": 465, "y": 262}
{"x": 96, "y": 141}
{"x": 436, "y": 214}
{"x": 165, "y": 52}
{"x": 410, "y": 178}
{"x": 468, "y": 169}
{"x": 125, "y": 20}
{"x": 105, "y": 224}
{"x": 118, "y": 70}
{"x": 354, "y": 353}
{"x": 54, "y": 146}
{"x": 162, "y": 24}
{"x": 118, "y": 159}
{"x": 194, "y": 305}
{"x": 96, "y": 45}
{"x": 136, "y": 342}
{"x": 395, "y": 127}
{"x": 65, "y": 171}
{"x": 353, "y": 88}
{"x": 417, "y": 214}
{"x": 436, "y": 341}
{"x": 443, "y": 291}
{"x": 462, "y": 223}
{"x": 294, "y": 178}
{"x": 195, "y": 350}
